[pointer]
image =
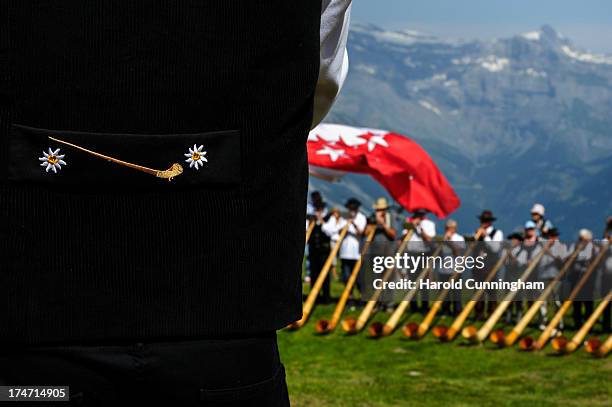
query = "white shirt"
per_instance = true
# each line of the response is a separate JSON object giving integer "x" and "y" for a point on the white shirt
{"x": 607, "y": 265}
{"x": 498, "y": 236}
{"x": 425, "y": 226}
{"x": 525, "y": 253}
{"x": 584, "y": 256}
{"x": 335, "y": 19}
{"x": 350, "y": 246}
{"x": 456, "y": 237}
{"x": 332, "y": 228}
{"x": 552, "y": 261}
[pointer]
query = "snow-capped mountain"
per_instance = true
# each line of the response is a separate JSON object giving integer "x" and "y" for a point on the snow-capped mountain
{"x": 511, "y": 122}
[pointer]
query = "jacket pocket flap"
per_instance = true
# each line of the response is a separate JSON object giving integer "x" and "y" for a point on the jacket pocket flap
{"x": 134, "y": 160}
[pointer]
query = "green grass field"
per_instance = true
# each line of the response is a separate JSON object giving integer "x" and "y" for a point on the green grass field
{"x": 340, "y": 370}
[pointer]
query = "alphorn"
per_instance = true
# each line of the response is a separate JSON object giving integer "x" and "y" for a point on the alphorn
{"x": 448, "y": 334}
{"x": 561, "y": 344}
{"x": 314, "y": 292}
{"x": 478, "y": 336}
{"x": 598, "y": 349}
{"x": 527, "y": 342}
{"x": 324, "y": 326}
{"x": 174, "y": 170}
{"x": 497, "y": 337}
{"x": 350, "y": 325}
{"x": 311, "y": 226}
{"x": 391, "y": 324}
{"x": 437, "y": 305}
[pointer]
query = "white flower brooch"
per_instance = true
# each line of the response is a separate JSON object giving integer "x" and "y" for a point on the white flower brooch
{"x": 196, "y": 157}
{"x": 51, "y": 160}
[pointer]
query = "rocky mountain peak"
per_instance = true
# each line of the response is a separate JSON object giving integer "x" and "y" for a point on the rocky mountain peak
{"x": 511, "y": 121}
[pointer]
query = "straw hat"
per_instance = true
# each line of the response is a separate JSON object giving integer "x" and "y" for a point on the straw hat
{"x": 381, "y": 204}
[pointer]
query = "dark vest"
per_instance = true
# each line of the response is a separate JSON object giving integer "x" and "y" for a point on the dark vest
{"x": 319, "y": 241}
{"x": 98, "y": 250}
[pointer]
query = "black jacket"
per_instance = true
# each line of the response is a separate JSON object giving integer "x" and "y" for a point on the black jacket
{"x": 103, "y": 251}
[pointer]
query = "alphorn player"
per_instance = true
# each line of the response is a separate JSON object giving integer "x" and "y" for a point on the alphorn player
{"x": 513, "y": 272}
{"x": 319, "y": 245}
{"x": 550, "y": 265}
{"x": 384, "y": 235}
{"x": 424, "y": 232}
{"x": 382, "y": 221}
{"x": 582, "y": 306}
{"x": 492, "y": 239}
{"x": 350, "y": 248}
{"x": 522, "y": 257}
{"x": 184, "y": 275}
{"x": 333, "y": 226}
{"x": 315, "y": 200}
{"x": 606, "y": 278}
{"x": 543, "y": 225}
{"x": 453, "y": 245}
{"x": 530, "y": 242}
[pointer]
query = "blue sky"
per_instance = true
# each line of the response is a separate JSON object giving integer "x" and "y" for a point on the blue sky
{"x": 588, "y": 23}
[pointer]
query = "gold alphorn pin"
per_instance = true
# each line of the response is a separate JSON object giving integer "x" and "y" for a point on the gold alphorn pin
{"x": 174, "y": 170}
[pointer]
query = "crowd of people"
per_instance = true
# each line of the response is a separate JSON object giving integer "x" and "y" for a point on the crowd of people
{"x": 538, "y": 233}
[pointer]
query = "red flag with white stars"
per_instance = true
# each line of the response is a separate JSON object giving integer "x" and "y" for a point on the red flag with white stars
{"x": 398, "y": 163}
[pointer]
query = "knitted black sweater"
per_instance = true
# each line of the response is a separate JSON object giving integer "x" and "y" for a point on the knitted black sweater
{"x": 99, "y": 251}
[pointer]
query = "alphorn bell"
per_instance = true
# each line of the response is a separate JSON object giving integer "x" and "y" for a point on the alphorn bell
{"x": 352, "y": 326}
{"x": 527, "y": 343}
{"x": 561, "y": 345}
{"x": 314, "y": 292}
{"x": 470, "y": 332}
{"x": 311, "y": 226}
{"x": 530, "y": 314}
{"x": 598, "y": 349}
{"x": 391, "y": 324}
{"x": 324, "y": 326}
{"x": 437, "y": 305}
{"x": 448, "y": 334}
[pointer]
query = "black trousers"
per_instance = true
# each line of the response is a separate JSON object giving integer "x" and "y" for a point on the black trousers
{"x": 582, "y": 306}
{"x": 317, "y": 261}
{"x": 207, "y": 372}
{"x": 606, "y": 286}
{"x": 452, "y": 305}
